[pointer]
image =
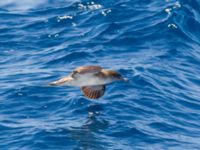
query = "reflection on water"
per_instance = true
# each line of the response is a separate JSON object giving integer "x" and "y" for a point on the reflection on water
{"x": 86, "y": 134}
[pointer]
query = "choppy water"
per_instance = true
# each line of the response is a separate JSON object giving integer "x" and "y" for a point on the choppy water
{"x": 156, "y": 44}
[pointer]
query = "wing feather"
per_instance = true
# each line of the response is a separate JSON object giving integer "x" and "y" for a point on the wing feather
{"x": 93, "y": 92}
{"x": 88, "y": 69}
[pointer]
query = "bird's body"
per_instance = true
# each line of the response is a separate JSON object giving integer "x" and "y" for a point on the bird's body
{"x": 86, "y": 80}
{"x": 91, "y": 79}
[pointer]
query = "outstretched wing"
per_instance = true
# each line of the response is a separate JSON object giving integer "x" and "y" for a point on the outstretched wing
{"x": 94, "y": 92}
{"x": 86, "y": 70}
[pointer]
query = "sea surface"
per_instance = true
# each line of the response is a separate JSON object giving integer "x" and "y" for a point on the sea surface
{"x": 153, "y": 43}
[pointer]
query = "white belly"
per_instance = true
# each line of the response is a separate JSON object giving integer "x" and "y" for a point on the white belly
{"x": 88, "y": 80}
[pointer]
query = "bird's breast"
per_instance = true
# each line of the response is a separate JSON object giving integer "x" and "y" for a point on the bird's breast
{"x": 89, "y": 80}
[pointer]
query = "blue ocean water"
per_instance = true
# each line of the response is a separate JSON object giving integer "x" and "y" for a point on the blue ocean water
{"x": 156, "y": 44}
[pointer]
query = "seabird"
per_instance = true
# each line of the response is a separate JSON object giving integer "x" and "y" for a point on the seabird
{"x": 91, "y": 79}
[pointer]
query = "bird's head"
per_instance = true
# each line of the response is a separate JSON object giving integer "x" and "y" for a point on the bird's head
{"x": 113, "y": 75}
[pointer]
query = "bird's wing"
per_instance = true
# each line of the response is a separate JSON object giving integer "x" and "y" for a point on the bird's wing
{"x": 94, "y": 92}
{"x": 88, "y": 69}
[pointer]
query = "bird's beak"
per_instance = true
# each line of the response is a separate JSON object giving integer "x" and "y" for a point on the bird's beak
{"x": 61, "y": 81}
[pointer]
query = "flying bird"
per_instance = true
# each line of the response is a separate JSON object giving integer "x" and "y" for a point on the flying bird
{"x": 91, "y": 79}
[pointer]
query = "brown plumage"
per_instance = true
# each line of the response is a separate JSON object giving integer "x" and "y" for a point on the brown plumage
{"x": 93, "y": 92}
{"x": 88, "y": 69}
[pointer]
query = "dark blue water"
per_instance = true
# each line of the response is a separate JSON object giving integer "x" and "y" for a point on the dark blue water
{"x": 156, "y": 44}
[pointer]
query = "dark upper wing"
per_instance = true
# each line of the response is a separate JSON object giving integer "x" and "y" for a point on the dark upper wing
{"x": 87, "y": 69}
{"x": 94, "y": 92}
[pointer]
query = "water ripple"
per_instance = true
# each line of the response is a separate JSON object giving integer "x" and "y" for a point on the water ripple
{"x": 155, "y": 44}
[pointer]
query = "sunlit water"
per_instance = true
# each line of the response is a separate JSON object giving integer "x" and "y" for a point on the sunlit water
{"x": 156, "y": 44}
